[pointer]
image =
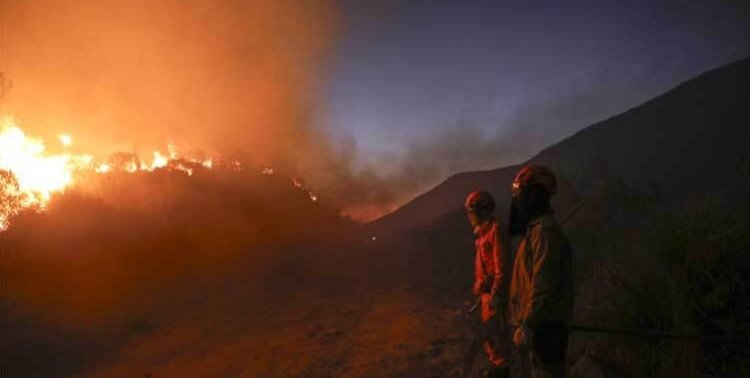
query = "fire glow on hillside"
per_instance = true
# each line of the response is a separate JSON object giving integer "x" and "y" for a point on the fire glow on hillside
{"x": 32, "y": 175}
{"x": 37, "y": 175}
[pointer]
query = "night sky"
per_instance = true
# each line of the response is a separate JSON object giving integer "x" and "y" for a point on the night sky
{"x": 515, "y": 76}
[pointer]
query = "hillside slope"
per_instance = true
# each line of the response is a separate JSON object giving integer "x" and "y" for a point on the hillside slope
{"x": 689, "y": 140}
{"x": 660, "y": 243}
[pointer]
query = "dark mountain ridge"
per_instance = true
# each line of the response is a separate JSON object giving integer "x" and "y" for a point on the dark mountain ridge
{"x": 690, "y": 140}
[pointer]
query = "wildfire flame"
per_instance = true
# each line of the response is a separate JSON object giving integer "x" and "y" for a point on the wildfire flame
{"x": 35, "y": 175}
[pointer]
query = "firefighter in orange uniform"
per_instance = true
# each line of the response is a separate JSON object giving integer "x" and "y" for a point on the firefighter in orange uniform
{"x": 490, "y": 280}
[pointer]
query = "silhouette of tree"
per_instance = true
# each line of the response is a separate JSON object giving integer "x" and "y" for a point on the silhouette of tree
{"x": 10, "y": 196}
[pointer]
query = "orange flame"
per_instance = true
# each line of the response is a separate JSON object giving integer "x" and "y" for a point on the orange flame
{"x": 39, "y": 175}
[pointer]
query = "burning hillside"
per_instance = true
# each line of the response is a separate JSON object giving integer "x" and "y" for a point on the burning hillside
{"x": 32, "y": 175}
{"x": 139, "y": 268}
{"x": 92, "y": 251}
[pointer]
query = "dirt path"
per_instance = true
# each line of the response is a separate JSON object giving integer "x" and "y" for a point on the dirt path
{"x": 384, "y": 334}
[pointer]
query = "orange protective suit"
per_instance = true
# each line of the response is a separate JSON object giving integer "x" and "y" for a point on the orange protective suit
{"x": 490, "y": 284}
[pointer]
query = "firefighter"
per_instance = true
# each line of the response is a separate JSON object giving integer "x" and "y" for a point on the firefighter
{"x": 541, "y": 292}
{"x": 490, "y": 284}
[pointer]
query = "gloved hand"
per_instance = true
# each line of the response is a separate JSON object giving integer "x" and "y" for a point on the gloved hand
{"x": 478, "y": 288}
{"x": 483, "y": 287}
{"x": 487, "y": 285}
{"x": 523, "y": 336}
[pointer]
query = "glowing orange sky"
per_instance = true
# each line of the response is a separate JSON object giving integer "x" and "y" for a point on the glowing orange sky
{"x": 122, "y": 75}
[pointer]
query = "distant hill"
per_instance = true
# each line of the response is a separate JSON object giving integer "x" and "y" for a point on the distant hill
{"x": 691, "y": 140}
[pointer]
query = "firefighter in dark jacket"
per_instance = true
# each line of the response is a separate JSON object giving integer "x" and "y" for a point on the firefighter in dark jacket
{"x": 541, "y": 292}
{"x": 490, "y": 282}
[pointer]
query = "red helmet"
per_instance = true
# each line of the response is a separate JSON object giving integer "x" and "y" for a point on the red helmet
{"x": 480, "y": 201}
{"x": 535, "y": 175}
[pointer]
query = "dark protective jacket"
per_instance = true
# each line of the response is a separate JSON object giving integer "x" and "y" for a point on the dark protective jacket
{"x": 541, "y": 287}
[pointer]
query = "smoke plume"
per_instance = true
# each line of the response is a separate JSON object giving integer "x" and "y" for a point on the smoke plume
{"x": 231, "y": 77}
